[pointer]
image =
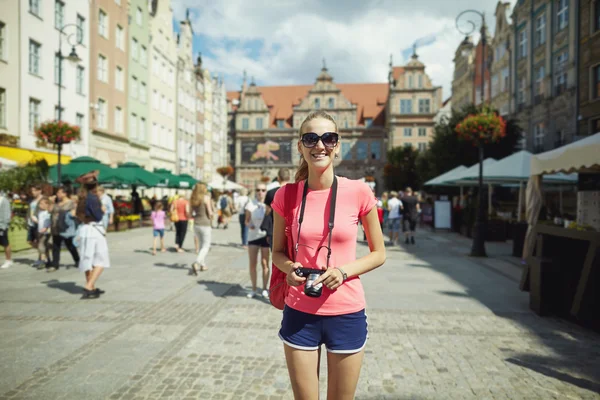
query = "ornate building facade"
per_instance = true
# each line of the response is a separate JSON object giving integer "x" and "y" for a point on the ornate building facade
{"x": 464, "y": 67}
{"x": 264, "y": 121}
{"x": 501, "y": 52}
{"x": 589, "y": 67}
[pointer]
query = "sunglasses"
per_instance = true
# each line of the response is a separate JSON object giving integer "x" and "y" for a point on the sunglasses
{"x": 261, "y": 190}
{"x": 329, "y": 139}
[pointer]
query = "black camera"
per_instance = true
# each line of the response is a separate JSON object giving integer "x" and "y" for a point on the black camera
{"x": 311, "y": 276}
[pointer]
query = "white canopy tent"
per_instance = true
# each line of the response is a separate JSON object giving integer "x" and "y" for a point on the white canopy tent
{"x": 446, "y": 176}
{"x": 224, "y": 185}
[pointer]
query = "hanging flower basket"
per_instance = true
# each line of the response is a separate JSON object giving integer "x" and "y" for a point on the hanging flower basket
{"x": 265, "y": 179}
{"x": 482, "y": 128}
{"x": 56, "y": 132}
{"x": 225, "y": 171}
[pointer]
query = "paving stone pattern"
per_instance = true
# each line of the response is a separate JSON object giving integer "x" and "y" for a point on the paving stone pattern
{"x": 441, "y": 326}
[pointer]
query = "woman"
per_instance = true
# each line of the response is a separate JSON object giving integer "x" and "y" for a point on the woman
{"x": 60, "y": 210}
{"x": 240, "y": 206}
{"x": 202, "y": 211}
{"x": 92, "y": 235}
{"x": 257, "y": 239}
{"x": 337, "y": 317}
{"x": 181, "y": 207}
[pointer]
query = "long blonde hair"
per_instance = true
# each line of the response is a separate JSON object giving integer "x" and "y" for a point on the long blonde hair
{"x": 302, "y": 172}
{"x": 198, "y": 194}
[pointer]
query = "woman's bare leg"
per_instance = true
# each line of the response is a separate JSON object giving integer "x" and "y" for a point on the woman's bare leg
{"x": 264, "y": 258}
{"x": 253, "y": 254}
{"x": 94, "y": 275}
{"x": 303, "y": 368}
{"x": 343, "y": 371}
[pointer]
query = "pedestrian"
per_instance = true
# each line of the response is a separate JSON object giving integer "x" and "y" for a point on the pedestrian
{"x": 337, "y": 317}
{"x": 61, "y": 208}
{"x": 94, "y": 257}
{"x": 386, "y": 212}
{"x": 181, "y": 209}
{"x": 107, "y": 203}
{"x": 201, "y": 206}
{"x": 5, "y": 217}
{"x": 226, "y": 207}
{"x": 410, "y": 214}
{"x": 44, "y": 231}
{"x": 283, "y": 178}
{"x": 240, "y": 205}
{"x": 257, "y": 240}
{"x": 158, "y": 218}
{"x": 394, "y": 208}
{"x": 32, "y": 221}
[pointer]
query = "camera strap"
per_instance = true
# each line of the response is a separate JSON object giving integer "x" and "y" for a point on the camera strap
{"x": 334, "y": 187}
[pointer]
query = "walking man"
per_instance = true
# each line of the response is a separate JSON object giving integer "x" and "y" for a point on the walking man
{"x": 411, "y": 210}
{"x": 5, "y": 216}
{"x": 283, "y": 177}
{"x": 394, "y": 207}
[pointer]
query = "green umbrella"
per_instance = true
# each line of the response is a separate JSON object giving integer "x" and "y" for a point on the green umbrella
{"x": 82, "y": 165}
{"x": 187, "y": 180}
{"x": 132, "y": 174}
{"x": 168, "y": 179}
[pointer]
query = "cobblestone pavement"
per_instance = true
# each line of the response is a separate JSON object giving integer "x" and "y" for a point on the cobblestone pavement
{"x": 441, "y": 326}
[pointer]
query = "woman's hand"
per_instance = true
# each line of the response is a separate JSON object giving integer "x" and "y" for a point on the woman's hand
{"x": 293, "y": 279}
{"x": 332, "y": 278}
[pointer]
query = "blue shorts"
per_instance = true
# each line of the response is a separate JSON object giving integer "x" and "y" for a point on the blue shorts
{"x": 158, "y": 232}
{"x": 394, "y": 224}
{"x": 346, "y": 333}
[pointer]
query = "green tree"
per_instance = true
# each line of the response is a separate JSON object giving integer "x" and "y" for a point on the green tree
{"x": 18, "y": 179}
{"x": 447, "y": 150}
{"x": 401, "y": 169}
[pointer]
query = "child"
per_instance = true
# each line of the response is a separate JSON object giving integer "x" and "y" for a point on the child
{"x": 44, "y": 222}
{"x": 158, "y": 222}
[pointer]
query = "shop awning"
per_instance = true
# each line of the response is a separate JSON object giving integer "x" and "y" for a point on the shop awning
{"x": 24, "y": 156}
{"x": 439, "y": 180}
{"x": 581, "y": 155}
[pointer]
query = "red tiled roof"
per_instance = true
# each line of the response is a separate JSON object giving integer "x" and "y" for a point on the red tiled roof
{"x": 396, "y": 72}
{"x": 370, "y": 99}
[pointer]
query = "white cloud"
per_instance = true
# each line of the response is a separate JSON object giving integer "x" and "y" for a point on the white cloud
{"x": 356, "y": 37}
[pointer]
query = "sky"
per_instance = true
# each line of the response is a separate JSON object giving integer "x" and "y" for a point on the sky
{"x": 284, "y": 42}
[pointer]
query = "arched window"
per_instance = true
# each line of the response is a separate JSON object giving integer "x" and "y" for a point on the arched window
{"x": 317, "y": 104}
{"x": 331, "y": 102}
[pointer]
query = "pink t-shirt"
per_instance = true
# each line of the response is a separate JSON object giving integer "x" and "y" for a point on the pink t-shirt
{"x": 158, "y": 219}
{"x": 354, "y": 200}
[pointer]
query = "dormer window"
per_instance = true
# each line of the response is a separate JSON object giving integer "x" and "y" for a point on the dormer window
{"x": 368, "y": 122}
{"x": 280, "y": 123}
{"x": 410, "y": 81}
{"x": 317, "y": 104}
{"x": 420, "y": 81}
{"x": 331, "y": 102}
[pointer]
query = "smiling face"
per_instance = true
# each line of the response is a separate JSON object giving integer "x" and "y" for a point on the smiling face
{"x": 261, "y": 191}
{"x": 319, "y": 157}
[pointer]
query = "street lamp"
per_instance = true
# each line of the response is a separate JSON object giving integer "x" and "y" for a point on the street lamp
{"x": 478, "y": 248}
{"x": 74, "y": 59}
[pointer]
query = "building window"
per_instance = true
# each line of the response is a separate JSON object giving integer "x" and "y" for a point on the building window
{"x": 522, "y": 50}
{"x": 102, "y": 68}
{"x": 596, "y": 16}
{"x": 120, "y": 38}
{"x": 119, "y": 84}
{"x": 58, "y": 79}
{"x": 368, "y": 122}
{"x": 562, "y": 14}
{"x": 143, "y": 93}
{"x": 595, "y": 125}
{"x": 317, "y": 104}
{"x": 539, "y": 132}
{"x": 34, "y": 7}
{"x": 422, "y": 132}
{"x": 2, "y": 41}
{"x": 34, "y": 114}
{"x": 422, "y": 146}
{"x": 495, "y": 85}
{"x": 101, "y": 114}
{"x": 134, "y": 49}
{"x": 406, "y": 106}
{"x": 142, "y": 134}
{"x": 58, "y": 113}
{"x": 407, "y": 132}
{"x": 138, "y": 16}
{"x": 34, "y": 57}
{"x": 245, "y": 124}
{"x": 540, "y": 72}
{"x": 331, "y": 102}
{"x": 424, "y": 106}
{"x": 375, "y": 150}
{"x": 361, "y": 150}
{"x": 143, "y": 56}
{"x": 560, "y": 74}
{"x": 280, "y": 123}
{"x": 80, "y": 28}
{"x": 134, "y": 88}
{"x": 133, "y": 129}
{"x": 59, "y": 14}
{"x": 596, "y": 82}
{"x": 118, "y": 120}
{"x": 2, "y": 108}
{"x": 540, "y": 30}
{"x": 521, "y": 93}
{"x": 259, "y": 123}
{"x": 410, "y": 81}
{"x": 103, "y": 24}
{"x": 79, "y": 120}
{"x": 79, "y": 79}
{"x": 505, "y": 81}
{"x": 155, "y": 100}
{"x": 420, "y": 81}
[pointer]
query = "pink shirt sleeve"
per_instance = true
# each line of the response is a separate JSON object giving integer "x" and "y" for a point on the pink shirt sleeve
{"x": 366, "y": 199}
{"x": 278, "y": 201}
